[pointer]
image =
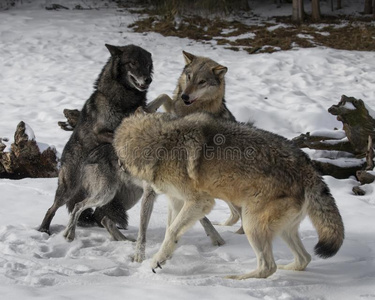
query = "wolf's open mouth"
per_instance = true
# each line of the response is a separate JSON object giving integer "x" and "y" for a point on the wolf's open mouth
{"x": 190, "y": 102}
{"x": 141, "y": 87}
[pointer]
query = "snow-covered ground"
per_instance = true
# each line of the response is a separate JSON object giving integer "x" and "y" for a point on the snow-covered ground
{"x": 49, "y": 61}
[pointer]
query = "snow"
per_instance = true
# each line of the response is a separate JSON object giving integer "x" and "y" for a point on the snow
{"x": 248, "y": 35}
{"x": 333, "y": 134}
{"x": 343, "y": 161}
{"x": 49, "y": 61}
{"x": 29, "y": 132}
{"x": 349, "y": 106}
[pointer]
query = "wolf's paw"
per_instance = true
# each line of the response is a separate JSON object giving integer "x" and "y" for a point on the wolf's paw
{"x": 218, "y": 241}
{"x": 158, "y": 265}
{"x": 157, "y": 262}
{"x": 297, "y": 265}
{"x": 42, "y": 229}
{"x": 69, "y": 235}
{"x": 258, "y": 273}
{"x": 240, "y": 231}
{"x": 234, "y": 277}
{"x": 129, "y": 239}
{"x": 246, "y": 276}
{"x": 140, "y": 252}
{"x": 292, "y": 267}
{"x": 139, "y": 256}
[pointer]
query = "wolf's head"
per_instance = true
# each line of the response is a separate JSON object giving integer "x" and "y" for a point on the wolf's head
{"x": 132, "y": 66}
{"x": 201, "y": 80}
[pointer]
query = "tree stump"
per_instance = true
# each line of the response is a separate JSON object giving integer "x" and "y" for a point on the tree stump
{"x": 359, "y": 130}
{"x": 25, "y": 158}
{"x": 358, "y": 122}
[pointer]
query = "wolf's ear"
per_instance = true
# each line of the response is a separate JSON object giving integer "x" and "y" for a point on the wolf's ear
{"x": 188, "y": 57}
{"x": 115, "y": 51}
{"x": 219, "y": 71}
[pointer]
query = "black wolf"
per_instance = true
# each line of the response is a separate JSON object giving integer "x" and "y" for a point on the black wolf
{"x": 119, "y": 90}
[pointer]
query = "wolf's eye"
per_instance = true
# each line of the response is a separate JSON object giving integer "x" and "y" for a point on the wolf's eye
{"x": 188, "y": 77}
{"x": 202, "y": 82}
{"x": 132, "y": 63}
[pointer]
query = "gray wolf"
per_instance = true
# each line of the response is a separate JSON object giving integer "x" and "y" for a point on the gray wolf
{"x": 198, "y": 158}
{"x": 119, "y": 90}
{"x": 200, "y": 88}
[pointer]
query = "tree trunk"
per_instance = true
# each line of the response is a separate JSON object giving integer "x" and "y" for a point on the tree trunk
{"x": 339, "y": 5}
{"x": 368, "y": 7}
{"x": 298, "y": 13}
{"x": 315, "y": 10}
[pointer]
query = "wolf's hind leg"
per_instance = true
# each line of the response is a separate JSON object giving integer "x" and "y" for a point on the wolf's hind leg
{"x": 210, "y": 230}
{"x": 60, "y": 200}
{"x": 301, "y": 257}
{"x": 234, "y": 216}
{"x": 100, "y": 199}
{"x": 261, "y": 241}
{"x": 260, "y": 234}
{"x": 147, "y": 205}
{"x": 44, "y": 227}
{"x": 114, "y": 231}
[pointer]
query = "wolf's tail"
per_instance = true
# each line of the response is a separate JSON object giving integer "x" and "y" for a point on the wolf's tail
{"x": 325, "y": 216}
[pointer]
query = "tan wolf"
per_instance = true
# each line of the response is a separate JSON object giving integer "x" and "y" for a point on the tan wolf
{"x": 198, "y": 158}
{"x": 200, "y": 88}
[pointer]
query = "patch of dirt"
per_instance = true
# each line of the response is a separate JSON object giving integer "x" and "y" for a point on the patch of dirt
{"x": 341, "y": 32}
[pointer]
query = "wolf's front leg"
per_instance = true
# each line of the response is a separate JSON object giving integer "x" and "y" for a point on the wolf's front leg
{"x": 156, "y": 103}
{"x": 191, "y": 212}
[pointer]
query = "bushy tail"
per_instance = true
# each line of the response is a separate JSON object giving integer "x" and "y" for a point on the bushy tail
{"x": 325, "y": 217}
